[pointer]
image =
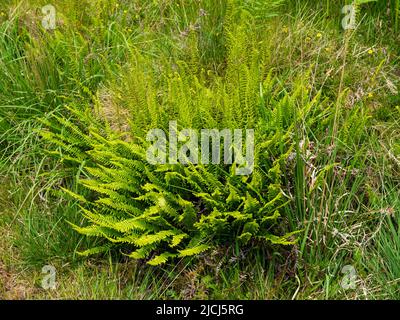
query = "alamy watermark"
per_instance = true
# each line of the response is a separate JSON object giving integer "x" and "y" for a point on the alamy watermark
{"x": 49, "y": 280}
{"x": 186, "y": 147}
{"x": 49, "y": 19}
{"x": 350, "y": 277}
{"x": 349, "y": 20}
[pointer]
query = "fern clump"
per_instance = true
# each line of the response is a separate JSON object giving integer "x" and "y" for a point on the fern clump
{"x": 175, "y": 210}
{"x": 159, "y": 212}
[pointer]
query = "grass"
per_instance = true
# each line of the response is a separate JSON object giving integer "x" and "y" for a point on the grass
{"x": 343, "y": 182}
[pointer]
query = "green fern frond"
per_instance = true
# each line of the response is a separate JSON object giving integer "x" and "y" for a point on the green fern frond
{"x": 193, "y": 250}
{"x": 161, "y": 259}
